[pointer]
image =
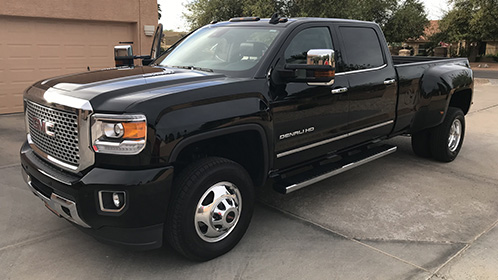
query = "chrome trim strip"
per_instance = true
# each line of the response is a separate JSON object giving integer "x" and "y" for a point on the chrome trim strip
{"x": 361, "y": 70}
{"x": 56, "y": 202}
{"x": 344, "y": 168}
{"x": 326, "y": 141}
{"x": 61, "y": 163}
{"x": 60, "y": 97}
{"x": 49, "y": 157}
{"x": 329, "y": 83}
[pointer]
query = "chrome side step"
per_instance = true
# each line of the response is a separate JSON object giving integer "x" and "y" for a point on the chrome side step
{"x": 315, "y": 175}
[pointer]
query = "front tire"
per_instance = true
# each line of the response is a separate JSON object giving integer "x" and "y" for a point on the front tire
{"x": 447, "y": 138}
{"x": 211, "y": 208}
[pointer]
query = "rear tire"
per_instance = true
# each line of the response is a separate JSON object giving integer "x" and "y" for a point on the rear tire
{"x": 211, "y": 208}
{"x": 421, "y": 143}
{"x": 447, "y": 138}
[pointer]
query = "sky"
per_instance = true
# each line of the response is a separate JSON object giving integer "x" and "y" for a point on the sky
{"x": 172, "y": 12}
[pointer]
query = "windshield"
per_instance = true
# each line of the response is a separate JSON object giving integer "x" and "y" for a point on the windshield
{"x": 221, "y": 48}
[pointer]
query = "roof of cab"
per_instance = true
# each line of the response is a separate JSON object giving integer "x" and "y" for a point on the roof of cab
{"x": 289, "y": 21}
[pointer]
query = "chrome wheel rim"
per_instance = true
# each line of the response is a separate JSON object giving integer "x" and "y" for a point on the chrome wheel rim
{"x": 455, "y": 135}
{"x": 218, "y": 212}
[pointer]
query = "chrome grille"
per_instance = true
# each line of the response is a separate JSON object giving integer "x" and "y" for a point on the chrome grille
{"x": 64, "y": 145}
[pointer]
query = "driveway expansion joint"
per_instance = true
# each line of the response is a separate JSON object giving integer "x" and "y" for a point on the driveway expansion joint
{"x": 322, "y": 227}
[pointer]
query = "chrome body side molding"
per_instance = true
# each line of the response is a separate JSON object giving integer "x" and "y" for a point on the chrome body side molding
{"x": 326, "y": 141}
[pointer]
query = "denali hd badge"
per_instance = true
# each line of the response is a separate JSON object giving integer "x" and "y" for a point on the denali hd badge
{"x": 44, "y": 126}
{"x": 297, "y": 132}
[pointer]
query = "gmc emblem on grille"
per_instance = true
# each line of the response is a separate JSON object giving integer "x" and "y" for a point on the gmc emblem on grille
{"x": 44, "y": 126}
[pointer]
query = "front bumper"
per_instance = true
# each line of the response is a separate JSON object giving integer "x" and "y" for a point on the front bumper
{"x": 75, "y": 197}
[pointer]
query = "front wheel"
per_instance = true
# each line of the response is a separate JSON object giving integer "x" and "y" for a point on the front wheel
{"x": 447, "y": 138}
{"x": 211, "y": 208}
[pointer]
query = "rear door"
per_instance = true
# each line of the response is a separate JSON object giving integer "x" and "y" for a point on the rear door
{"x": 371, "y": 76}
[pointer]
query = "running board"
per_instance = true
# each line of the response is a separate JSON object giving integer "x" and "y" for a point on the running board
{"x": 320, "y": 173}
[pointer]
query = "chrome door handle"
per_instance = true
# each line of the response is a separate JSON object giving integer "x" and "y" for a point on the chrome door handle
{"x": 339, "y": 90}
{"x": 389, "y": 82}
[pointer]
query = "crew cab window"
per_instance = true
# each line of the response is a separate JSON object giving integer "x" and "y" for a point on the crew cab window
{"x": 307, "y": 39}
{"x": 362, "y": 48}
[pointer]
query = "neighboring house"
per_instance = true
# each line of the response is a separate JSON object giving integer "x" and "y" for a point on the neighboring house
{"x": 491, "y": 47}
{"x": 42, "y": 39}
{"x": 418, "y": 43}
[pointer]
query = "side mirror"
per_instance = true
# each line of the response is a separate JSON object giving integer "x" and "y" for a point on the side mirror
{"x": 123, "y": 55}
{"x": 319, "y": 69}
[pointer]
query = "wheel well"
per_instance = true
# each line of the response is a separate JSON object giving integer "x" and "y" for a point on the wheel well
{"x": 245, "y": 148}
{"x": 462, "y": 99}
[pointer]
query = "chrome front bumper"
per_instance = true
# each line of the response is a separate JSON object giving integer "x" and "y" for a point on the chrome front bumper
{"x": 59, "y": 205}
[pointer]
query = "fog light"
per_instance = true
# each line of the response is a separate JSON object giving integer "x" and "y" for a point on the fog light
{"x": 117, "y": 201}
{"x": 112, "y": 201}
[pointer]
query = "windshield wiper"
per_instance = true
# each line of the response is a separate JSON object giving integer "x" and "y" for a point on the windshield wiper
{"x": 194, "y": 68}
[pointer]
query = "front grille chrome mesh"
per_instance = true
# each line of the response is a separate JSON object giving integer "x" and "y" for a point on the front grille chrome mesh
{"x": 64, "y": 144}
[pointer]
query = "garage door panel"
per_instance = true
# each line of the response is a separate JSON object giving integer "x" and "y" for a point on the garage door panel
{"x": 47, "y": 50}
{"x": 33, "y": 49}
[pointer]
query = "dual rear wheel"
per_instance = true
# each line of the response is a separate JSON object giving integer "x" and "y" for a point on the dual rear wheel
{"x": 444, "y": 141}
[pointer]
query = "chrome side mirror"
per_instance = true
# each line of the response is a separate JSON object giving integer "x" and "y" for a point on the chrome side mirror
{"x": 123, "y": 55}
{"x": 319, "y": 69}
{"x": 322, "y": 57}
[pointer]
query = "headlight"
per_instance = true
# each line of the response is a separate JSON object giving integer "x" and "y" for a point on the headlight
{"x": 119, "y": 134}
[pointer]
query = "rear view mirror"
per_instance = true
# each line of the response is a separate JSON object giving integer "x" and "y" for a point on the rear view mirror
{"x": 123, "y": 55}
{"x": 319, "y": 69}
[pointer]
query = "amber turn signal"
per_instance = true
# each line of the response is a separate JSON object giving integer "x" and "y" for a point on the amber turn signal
{"x": 134, "y": 130}
{"x": 324, "y": 74}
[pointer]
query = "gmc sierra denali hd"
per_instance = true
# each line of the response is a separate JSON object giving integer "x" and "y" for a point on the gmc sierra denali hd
{"x": 174, "y": 150}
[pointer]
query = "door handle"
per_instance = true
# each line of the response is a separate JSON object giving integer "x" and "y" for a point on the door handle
{"x": 389, "y": 82}
{"x": 339, "y": 90}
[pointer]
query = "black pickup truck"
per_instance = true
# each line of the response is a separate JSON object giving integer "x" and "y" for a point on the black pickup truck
{"x": 174, "y": 150}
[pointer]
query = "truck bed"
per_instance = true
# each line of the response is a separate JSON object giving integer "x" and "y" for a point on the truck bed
{"x": 421, "y": 81}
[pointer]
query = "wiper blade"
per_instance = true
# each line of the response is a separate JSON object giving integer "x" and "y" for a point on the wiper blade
{"x": 194, "y": 68}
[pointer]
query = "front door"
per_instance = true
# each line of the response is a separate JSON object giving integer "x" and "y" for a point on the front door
{"x": 306, "y": 117}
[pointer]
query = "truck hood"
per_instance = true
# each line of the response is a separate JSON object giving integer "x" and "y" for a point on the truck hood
{"x": 124, "y": 86}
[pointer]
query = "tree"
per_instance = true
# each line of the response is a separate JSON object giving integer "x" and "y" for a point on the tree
{"x": 471, "y": 20}
{"x": 202, "y": 12}
{"x": 408, "y": 18}
{"x": 408, "y": 21}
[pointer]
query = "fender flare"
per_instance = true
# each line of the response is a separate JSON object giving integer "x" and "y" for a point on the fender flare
{"x": 225, "y": 131}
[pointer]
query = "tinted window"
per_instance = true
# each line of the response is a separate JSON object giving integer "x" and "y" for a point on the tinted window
{"x": 362, "y": 48}
{"x": 305, "y": 40}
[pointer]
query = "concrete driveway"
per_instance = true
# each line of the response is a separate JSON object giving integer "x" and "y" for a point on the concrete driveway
{"x": 400, "y": 217}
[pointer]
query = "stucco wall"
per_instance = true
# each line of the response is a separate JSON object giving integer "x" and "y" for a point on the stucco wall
{"x": 141, "y": 12}
{"x": 42, "y": 39}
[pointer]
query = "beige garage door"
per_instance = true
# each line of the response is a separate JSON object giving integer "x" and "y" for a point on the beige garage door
{"x": 34, "y": 49}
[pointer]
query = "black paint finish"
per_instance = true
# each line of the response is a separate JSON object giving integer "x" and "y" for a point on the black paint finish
{"x": 193, "y": 113}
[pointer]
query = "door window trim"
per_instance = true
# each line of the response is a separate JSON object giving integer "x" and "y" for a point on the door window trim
{"x": 362, "y": 70}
